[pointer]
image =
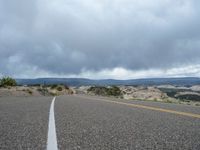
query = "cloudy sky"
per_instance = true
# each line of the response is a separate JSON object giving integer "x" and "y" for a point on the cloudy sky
{"x": 118, "y": 39}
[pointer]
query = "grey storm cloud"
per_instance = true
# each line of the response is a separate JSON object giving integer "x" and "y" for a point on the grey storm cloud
{"x": 66, "y": 37}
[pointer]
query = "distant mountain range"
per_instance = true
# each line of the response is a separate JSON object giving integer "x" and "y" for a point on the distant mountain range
{"x": 189, "y": 81}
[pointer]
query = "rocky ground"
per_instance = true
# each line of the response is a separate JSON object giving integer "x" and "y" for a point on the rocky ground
{"x": 163, "y": 93}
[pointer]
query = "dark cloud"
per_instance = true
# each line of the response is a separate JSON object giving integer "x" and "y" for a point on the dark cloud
{"x": 66, "y": 37}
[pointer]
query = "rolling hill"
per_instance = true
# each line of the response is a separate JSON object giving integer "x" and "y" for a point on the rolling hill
{"x": 189, "y": 81}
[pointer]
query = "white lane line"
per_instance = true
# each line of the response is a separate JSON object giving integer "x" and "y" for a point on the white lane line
{"x": 52, "y": 139}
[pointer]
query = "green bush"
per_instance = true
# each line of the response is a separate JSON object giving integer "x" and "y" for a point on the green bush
{"x": 7, "y": 81}
{"x": 53, "y": 86}
{"x": 188, "y": 97}
{"x": 43, "y": 91}
{"x": 106, "y": 91}
{"x": 114, "y": 91}
{"x": 59, "y": 88}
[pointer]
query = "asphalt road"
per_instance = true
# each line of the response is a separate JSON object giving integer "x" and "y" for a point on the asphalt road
{"x": 98, "y": 123}
{"x": 24, "y": 122}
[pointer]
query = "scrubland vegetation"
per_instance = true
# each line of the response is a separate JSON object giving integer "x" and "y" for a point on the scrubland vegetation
{"x": 163, "y": 93}
{"x": 105, "y": 91}
{"x": 182, "y": 94}
{"x": 9, "y": 87}
{"x": 7, "y": 81}
{"x": 167, "y": 94}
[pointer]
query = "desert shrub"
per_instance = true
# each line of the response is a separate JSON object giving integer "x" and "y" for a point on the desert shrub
{"x": 29, "y": 91}
{"x": 59, "y": 88}
{"x": 197, "y": 104}
{"x": 106, "y": 91}
{"x": 8, "y": 81}
{"x": 98, "y": 90}
{"x": 53, "y": 86}
{"x": 187, "y": 97}
{"x": 168, "y": 101}
{"x": 114, "y": 91}
{"x": 35, "y": 85}
{"x": 172, "y": 92}
{"x": 43, "y": 91}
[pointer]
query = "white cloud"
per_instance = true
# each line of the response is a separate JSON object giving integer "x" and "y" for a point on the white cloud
{"x": 120, "y": 73}
{"x": 99, "y": 38}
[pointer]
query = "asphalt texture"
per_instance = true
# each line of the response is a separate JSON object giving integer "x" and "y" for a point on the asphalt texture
{"x": 24, "y": 123}
{"x": 84, "y": 123}
{"x": 87, "y": 123}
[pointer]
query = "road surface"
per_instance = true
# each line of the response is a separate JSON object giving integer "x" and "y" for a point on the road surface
{"x": 96, "y": 123}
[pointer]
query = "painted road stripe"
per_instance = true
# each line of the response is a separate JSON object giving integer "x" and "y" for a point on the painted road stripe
{"x": 52, "y": 140}
{"x": 149, "y": 108}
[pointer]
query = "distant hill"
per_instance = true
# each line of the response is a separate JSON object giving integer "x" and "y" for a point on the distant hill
{"x": 86, "y": 82}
